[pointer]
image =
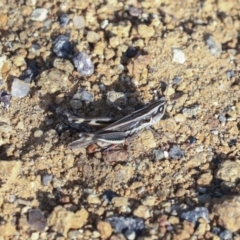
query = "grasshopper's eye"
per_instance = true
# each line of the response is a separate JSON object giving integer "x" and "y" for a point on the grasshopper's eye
{"x": 161, "y": 109}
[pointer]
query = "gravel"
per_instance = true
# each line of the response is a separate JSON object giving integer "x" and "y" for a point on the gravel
{"x": 62, "y": 47}
{"x": 19, "y": 89}
{"x": 30, "y": 72}
{"x": 36, "y": 219}
{"x": 78, "y": 22}
{"x": 83, "y": 64}
{"x": 123, "y": 224}
{"x": 178, "y": 56}
{"x": 5, "y": 99}
{"x": 175, "y": 152}
{"x": 63, "y": 20}
{"x": 194, "y": 215}
{"x": 39, "y": 14}
{"x": 215, "y": 48}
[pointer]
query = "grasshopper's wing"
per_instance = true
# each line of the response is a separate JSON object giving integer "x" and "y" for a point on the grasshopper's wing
{"x": 82, "y": 124}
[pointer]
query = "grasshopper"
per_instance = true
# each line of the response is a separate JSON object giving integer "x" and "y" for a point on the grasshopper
{"x": 118, "y": 131}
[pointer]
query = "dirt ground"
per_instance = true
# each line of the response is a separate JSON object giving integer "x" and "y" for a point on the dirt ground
{"x": 180, "y": 181}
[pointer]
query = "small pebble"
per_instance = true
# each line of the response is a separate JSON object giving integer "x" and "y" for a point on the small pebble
{"x": 63, "y": 64}
{"x": 38, "y": 133}
{"x": 92, "y": 199}
{"x": 83, "y": 64}
{"x": 222, "y": 119}
{"x": 130, "y": 234}
{"x": 145, "y": 31}
{"x": 19, "y": 89}
{"x": 35, "y": 48}
{"x": 135, "y": 12}
{"x": 230, "y": 74}
{"x": 232, "y": 142}
{"x": 12, "y": 198}
{"x": 102, "y": 87}
{"x": 104, "y": 24}
{"x": 63, "y": 20}
{"x": 131, "y": 52}
{"x": 180, "y": 117}
{"x": 96, "y": 234}
{"x": 75, "y": 234}
{"x": 62, "y": 47}
{"x": 176, "y": 80}
{"x": 194, "y": 215}
{"x": 120, "y": 202}
{"x": 178, "y": 56}
{"x": 169, "y": 91}
{"x": 57, "y": 182}
{"x": 216, "y": 230}
{"x": 192, "y": 139}
{"x": 118, "y": 99}
{"x": 85, "y": 95}
{"x": 199, "y": 148}
{"x": 158, "y": 154}
{"x": 5, "y": 99}
{"x": 47, "y": 24}
{"x": 214, "y": 47}
{"x": 78, "y": 22}
{"x": 37, "y": 220}
{"x": 108, "y": 195}
{"x": 39, "y": 14}
{"x": 191, "y": 111}
{"x": 35, "y": 236}
{"x": 142, "y": 212}
{"x": 105, "y": 229}
{"x": 149, "y": 201}
{"x": 121, "y": 224}
{"x": 3, "y": 59}
{"x": 46, "y": 179}
{"x": 81, "y": 95}
{"x": 92, "y": 37}
{"x": 204, "y": 198}
{"x": 176, "y": 153}
{"x": 75, "y": 103}
{"x": 30, "y": 72}
{"x": 226, "y": 235}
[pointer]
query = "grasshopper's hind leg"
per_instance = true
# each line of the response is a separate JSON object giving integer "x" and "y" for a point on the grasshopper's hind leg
{"x": 85, "y": 140}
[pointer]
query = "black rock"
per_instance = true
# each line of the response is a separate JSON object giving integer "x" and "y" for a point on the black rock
{"x": 37, "y": 220}
{"x": 131, "y": 52}
{"x": 30, "y": 72}
{"x": 64, "y": 19}
{"x": 122, "y": 224}
{"x": 62, "y": 47}
{"x": 5, "y": 99}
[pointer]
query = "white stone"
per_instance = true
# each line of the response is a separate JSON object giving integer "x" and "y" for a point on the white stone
{"x": 215, "y": 47}
{"x": 78, "y": 22}
{"x": 19, "y": 88}
{"x": 178, "y": 56}
{"x": 39, "y": 14}
{"x": 130, "y": 234}
{"x": 3, "y": 59}
{"x": 104, "y": 24}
